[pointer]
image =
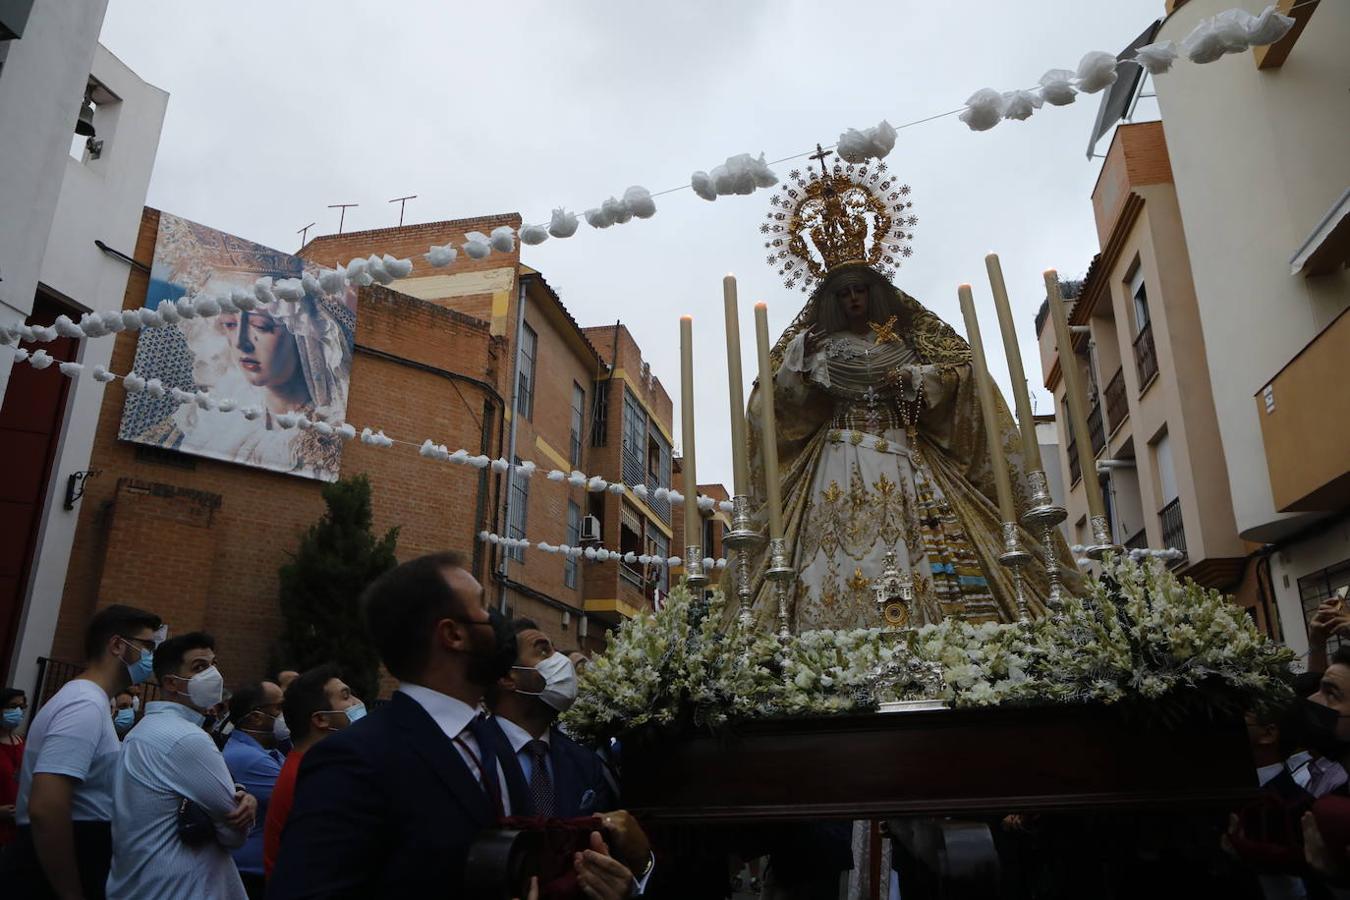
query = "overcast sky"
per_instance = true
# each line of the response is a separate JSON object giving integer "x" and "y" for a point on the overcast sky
{"x": 278, "y": 109}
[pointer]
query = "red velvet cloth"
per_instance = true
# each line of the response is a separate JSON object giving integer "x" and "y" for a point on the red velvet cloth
{"x": 1333, "y": 820}
{"x": 1271, "y": 836}
{"x": 279, "y": 810}
{"x": 11, "y": 760}
{"x": 562, "y": 839}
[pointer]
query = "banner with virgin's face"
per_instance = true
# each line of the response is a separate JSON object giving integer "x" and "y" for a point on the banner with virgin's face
{"x": 259, "y": 379}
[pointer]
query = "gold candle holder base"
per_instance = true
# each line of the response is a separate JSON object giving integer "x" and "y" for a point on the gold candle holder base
{"x": 1043, "y": 518}
{"x": 781, "y": 573}
{"x": 1014, "y": 557}
{"x": 741, "y": 540}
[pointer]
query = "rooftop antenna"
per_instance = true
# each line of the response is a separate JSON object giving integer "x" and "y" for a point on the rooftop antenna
{"x": 342, "y": 217}
{"x": 402, "y": 202}
{"x": 304, "y": 233}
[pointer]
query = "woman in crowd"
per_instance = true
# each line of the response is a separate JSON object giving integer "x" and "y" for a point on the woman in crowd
{"x": 13, "y": 705}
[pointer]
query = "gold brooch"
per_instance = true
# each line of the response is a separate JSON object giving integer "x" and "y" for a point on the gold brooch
{"x": 885, "y": 333}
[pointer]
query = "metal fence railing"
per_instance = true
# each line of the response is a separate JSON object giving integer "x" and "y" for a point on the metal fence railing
{"x": 1095, "y": 428}
{"x": 53, "y": 674}
{"x": 1145, "y": 356}
{"x": 1173, "y": 531}
{"x": 1117, "y": 403}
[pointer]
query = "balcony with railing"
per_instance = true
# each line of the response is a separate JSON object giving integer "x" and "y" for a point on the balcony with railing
{"x": 1095, "y": 429}
{"x": 659, "y": 505}
{"x": 1173, "y": 531}
{"x": 1117, "y": 404}
{"x": 1145, "y": 356}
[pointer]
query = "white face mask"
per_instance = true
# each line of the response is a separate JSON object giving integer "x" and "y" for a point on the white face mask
{"x": 206, "y": 688}
{"x": 279, "y": 729}
{"x": 560, "y": 681}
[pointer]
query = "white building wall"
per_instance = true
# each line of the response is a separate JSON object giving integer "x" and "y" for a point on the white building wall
{"x": 1259, "y": 156}
{"x": 1325, "y": 548}
{"x": 1047, "y": 436}
{"x": 41, "y": 88}
{"x": 100, "y": 199}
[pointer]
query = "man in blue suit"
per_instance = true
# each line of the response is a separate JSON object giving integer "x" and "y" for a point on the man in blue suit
{"x": 389, "y": 806}
{"x": 547, "y": 773}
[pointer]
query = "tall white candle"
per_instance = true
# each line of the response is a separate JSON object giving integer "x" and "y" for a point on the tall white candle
{"x": 1031, "y": 450}
{"x": 769, "y": 438}
{"x": 985, "y": 389}
{"x": 693, "y": 522}
{"x": 740, "y": 457}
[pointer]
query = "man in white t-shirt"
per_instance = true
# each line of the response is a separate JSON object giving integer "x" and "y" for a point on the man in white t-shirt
{"x": 64, "y": 808}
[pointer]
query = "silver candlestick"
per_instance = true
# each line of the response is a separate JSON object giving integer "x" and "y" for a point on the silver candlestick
{"x": 694, "y": 576}
{"x": 1043, "y": 517}
{"x": 1014, "y": 557}
{"x": 741, "y": 540}
{"x": 781, "y": 573}
{"x": 1101, "y": 539}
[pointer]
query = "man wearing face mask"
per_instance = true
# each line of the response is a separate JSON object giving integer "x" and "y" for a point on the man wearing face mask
{"x": 549, "y": 774}
{"x": 124, "y": 713}
{"x": 65, "y": 801}
{"x": 320, "y": 703}
{"x": 168, "y": 759}
{"x": 254, "y": 762}
{"x": 390, "y": 806}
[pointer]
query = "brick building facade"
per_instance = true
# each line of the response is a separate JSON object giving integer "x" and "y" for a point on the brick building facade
{"x": 630, "y": 441}
{"x": 200, "y": 541}
{"x": 444, "y": 354}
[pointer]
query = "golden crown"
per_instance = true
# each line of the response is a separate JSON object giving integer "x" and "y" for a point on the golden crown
{"x": 850, "y": 214}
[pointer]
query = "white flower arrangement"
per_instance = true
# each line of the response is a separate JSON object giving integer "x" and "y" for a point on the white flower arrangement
{"x": 1140, "y": 634}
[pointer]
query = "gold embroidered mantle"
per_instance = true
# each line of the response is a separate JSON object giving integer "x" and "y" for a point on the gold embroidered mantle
{"x": 849, "y": 494}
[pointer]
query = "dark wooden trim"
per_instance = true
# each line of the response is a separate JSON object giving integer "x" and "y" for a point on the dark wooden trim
{"x": 942, "y": 762}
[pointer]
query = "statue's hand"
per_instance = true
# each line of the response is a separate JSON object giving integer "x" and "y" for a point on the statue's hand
{"x": 813, "y": 339}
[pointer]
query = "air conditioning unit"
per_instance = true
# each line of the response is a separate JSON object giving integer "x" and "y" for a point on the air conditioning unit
{"x": 590, "y": 529}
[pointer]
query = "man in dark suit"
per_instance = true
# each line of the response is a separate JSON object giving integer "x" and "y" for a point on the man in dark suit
{"x": 389, "y": 806}
{"x": 547, "y": 773}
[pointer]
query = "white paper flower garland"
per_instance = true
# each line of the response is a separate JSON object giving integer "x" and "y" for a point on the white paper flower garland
{"x": 135, "y": 384}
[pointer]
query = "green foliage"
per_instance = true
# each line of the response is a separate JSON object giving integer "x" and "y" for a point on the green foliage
{"x": 321, "y": 587}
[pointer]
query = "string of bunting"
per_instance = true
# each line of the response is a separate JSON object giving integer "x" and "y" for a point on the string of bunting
{"x": 428, "y": 448}
{"x": 594, "y": 553}
{"x": 1232, "y": 31}
{"x": 133, "y": 383}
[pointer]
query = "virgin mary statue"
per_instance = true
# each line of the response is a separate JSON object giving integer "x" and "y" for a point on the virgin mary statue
{"x": 884, "y": 467}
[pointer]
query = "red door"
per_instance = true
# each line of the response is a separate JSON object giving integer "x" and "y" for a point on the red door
{"x": 30, "y": 428}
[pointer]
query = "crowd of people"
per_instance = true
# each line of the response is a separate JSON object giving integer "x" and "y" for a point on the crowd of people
{"x": 286, "y": 788}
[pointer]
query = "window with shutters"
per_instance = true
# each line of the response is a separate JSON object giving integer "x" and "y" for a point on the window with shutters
{"x": 529, "y": 347}
{"x": 573, "y": 540}
{"x": 520, "y": 503}
{"x": 658, "y": 472}
{"x": 578, "y": 422}
{"x": 634, "y": 440}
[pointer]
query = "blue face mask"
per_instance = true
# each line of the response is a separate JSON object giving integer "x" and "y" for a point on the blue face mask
{"x": 124, "y": 719}
{"x": 141, "y": 670}
{"x": 356, "y": 713}
{"x": 13, "y": 718}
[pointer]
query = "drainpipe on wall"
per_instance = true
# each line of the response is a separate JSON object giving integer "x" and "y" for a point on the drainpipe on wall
{"x": 504, "y": 560}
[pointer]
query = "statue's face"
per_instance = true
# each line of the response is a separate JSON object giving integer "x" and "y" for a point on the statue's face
{"x": 852, "y": 300}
